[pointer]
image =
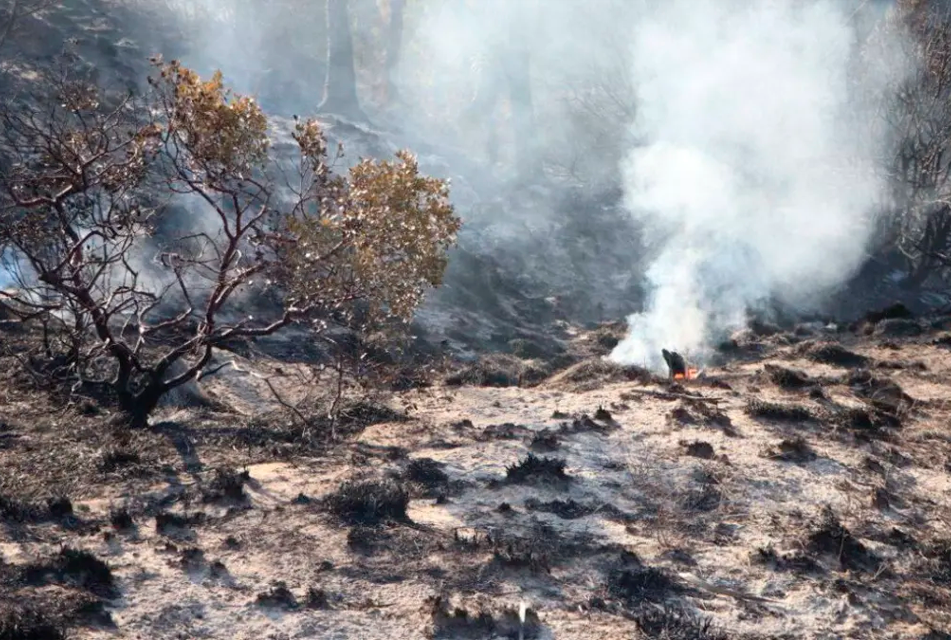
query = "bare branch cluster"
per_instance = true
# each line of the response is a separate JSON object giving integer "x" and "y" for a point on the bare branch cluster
{"x": 919, "y": 118}
{"x": 89, "y": 180}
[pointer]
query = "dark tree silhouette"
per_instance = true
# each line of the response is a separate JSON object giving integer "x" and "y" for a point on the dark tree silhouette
{"x": 518, "y": 80}
{"x": 505, "y": 71}
{"x": 340, "y": 86}
{"x": 394, "y": 48}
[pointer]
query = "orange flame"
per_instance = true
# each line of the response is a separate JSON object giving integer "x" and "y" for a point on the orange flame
{"x": 691, "y": 374}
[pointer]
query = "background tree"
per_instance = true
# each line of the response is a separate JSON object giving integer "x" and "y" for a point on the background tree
{"x": 340, "y": 85}
{"x": 918, "y": 116}
{"x": 90, "y": 177}
{"x": 13, "y": 12}
{"x": 394, "y": 47}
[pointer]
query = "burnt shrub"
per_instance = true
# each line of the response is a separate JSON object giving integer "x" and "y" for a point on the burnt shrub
{"x": 796, "y": 562}
{"x": 792, "y": 450}
{"x": 454, "y": 623}
{"x": 830, "y": 537}
{"x": 121, "y": 519}
{"x": 937, "y": 562}
{"x": 537, "y": 470}
{"x": 227, "y": 485}
{"x": 369, "y": 502}
{"x": 632, "y": 582}
{"x": 59, "y": 507}
{"x": 835, "y": 355}
{"x": 698, "y": 449}
{"x": 778, "y": 412}
{"x": 76, "y": 567}
{"x": 113, "y": 460}
{"x": 20, "y": 623}
{"x": 13, "y": 510}
{"x": 278, "y": 597}
{"x": 545, "y": 440}
{"x": 427, "y": 473}
{"x": 674, "y": 622}
{"x": 789, "y": 379}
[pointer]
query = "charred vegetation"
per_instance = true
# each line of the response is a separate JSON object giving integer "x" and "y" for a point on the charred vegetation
{"x": 538, "y": 470}
{"x": 369, "y": 502}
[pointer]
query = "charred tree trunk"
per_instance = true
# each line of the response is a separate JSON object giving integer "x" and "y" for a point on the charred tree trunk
{"x": 518, "y": 78}
{"x": 135, "y": 408}
{"x": 394, "y": 49}
{"x": 340, "y": 86}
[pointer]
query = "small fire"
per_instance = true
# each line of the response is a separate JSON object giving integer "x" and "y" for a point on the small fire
{"x": 691, "y": 374}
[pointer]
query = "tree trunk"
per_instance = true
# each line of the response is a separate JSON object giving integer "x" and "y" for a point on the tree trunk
{"x": 518, "y": 77}
{"x": 340, "y": 87}
{"x": 394, "y": 49}
{"x": 135, "y": 409}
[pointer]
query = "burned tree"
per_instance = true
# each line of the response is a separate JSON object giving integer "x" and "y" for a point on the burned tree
{"x": 89, "y": 178}
{"x": 504, "y": 70}
{"x": 340, "y": 86}
{"x": 17, "y": 11}
{"x": 918, "y": 116}
{"x": 394, "y": 47}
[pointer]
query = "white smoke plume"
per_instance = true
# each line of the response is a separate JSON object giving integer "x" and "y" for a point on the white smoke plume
{"x": 755, "y": 175}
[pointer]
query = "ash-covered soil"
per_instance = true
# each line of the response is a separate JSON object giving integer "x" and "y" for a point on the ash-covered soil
{"x": 802, "y": 489}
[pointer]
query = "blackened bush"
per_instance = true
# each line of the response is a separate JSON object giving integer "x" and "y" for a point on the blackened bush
{"x": 778, "y": 412}
{"x": 676, "y": 623}
{"x": 369, "y": 502}
{"x": 535, "y": 469}
{"x": 77, "y": 567}
{"x": 28, "y": 624}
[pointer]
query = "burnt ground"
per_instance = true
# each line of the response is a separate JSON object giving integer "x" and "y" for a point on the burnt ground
{"x": 802, "y": 489}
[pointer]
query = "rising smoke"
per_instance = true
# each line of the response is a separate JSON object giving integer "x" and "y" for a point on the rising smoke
{"x": 741, "y": 131}
{"x": 755, "y": 175}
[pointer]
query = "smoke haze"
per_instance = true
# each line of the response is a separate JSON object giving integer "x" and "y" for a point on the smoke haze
{"x": 742, "y": 133}
{"x": 755, "y": 173}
